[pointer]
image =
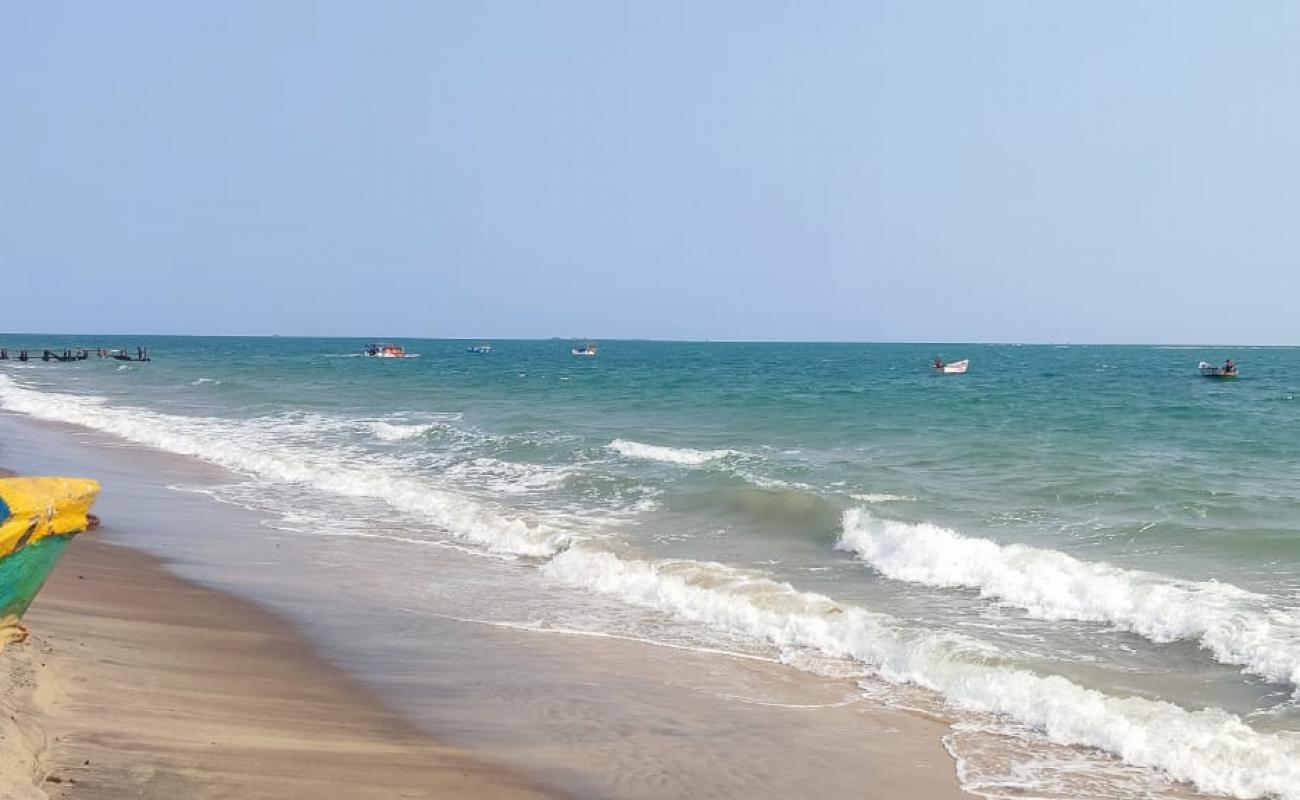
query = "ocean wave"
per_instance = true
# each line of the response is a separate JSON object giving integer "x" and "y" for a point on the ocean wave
{"x": 669, "y": 455}
{"x": 1210, "y": 748}
{"x": 1237, "y": 627}
{"x": 239, "y": 449}
{"x": 394, "y": 432}
{"x": 775, "y": 484}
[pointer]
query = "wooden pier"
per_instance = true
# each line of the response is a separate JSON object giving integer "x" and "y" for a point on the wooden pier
{"x": 73, "y": 354}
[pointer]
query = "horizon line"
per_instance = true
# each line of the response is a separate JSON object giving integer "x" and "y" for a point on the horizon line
{"x": 1006, "y": 343}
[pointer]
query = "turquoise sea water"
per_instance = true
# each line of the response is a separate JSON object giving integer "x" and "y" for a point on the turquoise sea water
{"x": 1090, "y": 545}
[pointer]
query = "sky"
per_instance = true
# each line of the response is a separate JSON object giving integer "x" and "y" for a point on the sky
{"x": 909, "y": 171}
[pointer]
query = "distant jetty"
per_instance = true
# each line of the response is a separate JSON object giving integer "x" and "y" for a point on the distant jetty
{"x": 73, "y": 354}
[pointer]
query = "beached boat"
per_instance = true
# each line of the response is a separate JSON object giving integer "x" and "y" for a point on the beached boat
{"x": 37, "y": 518}
{"x": 588, "y": 349}
{"x": 387, "y": 350}
{"x": 479, "y": 348}
{"x": 953, "y": 368}
{"x": 1225, "y": 372}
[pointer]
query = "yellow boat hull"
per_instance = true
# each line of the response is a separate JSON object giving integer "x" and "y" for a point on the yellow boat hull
{"x": 38, "y": 516}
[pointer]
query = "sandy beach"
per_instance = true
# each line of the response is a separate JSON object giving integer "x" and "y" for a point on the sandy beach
{"x": 135, "y": 683}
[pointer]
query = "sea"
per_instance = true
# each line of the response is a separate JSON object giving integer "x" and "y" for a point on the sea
{"x": 1085, "y": 558}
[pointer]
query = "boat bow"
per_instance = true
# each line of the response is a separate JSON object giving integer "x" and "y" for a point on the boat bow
{"x": 37, "y": 518}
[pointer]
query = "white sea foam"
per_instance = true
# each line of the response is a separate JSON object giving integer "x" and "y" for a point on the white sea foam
{"x": 394, "y": 432}
{"x": 879, "y": 497}
{"x": 1210, "y": 748}
{"x": 1238, "y": 627}
{"x": 508, "y": 477}
{"x": 669, "y": 455}
{"x": 242, "y": 450}
{"x": 775, "y": 484}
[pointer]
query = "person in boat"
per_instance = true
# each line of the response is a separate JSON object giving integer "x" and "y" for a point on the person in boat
{"x": 938, "y": 363}
{"x": 1229, "y": 367}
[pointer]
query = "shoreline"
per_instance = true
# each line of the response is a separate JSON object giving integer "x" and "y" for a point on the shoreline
{"x": 586, "y": 717}
{"x": 135, "y": 682}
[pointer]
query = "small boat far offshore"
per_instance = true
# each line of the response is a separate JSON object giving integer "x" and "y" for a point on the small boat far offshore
{"x": 387, "y": 350}
{"x": 479, "y": 348}
{"x": 38, "y": 516}
{"x": 588, "y": 349}
{"x": 952, "y": 368}
{"x": 1226, "y": 372}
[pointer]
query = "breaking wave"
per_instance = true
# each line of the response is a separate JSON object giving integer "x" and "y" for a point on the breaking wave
{"x": 1236, "y": 626}
{"x": 1210, "y": 748}
{"x": 668, "y": 455}
{"x": 393, "y": 432}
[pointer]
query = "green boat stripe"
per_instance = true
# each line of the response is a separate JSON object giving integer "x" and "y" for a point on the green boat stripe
{"x": 22, "y": 574}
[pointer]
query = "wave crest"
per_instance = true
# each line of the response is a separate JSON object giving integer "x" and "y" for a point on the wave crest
{"x": 394, "y": 432}
{"x": 1238, "y": 627}
{"x": 668, "y": 455}
{"x": 1210, "y": 748}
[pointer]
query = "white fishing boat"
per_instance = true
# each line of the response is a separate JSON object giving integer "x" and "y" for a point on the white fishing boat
{"x": 588, "y": 349}
{"x": 1227, "y": 371}
{"x": 479, "y": 348}
{"x": 951, "y": 368}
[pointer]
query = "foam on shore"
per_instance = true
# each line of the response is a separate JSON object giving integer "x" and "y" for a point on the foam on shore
{"x": 1212, "y": 749}
{"x": 228, "y": 445}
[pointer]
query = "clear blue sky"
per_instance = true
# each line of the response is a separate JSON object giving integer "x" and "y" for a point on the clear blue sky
{"x": 1028, "y": 171}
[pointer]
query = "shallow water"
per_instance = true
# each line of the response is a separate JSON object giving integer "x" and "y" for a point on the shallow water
{"x": 1087, "y": 545}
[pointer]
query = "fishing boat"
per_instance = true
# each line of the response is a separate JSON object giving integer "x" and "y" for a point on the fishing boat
{"x": 479, "y": 348}
{"x": 1225, "y": 372}
{"x": 387, "y": 350}
{"x": 588, "y": 349}
{"x": 950, "y": 368}
{"x": 38, "y": 516}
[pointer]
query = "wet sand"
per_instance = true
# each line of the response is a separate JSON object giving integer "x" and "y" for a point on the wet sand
{"x": 135, "y": 683}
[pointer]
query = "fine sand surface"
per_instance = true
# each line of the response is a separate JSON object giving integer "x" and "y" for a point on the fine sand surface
{"x": 137, "y": 684}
